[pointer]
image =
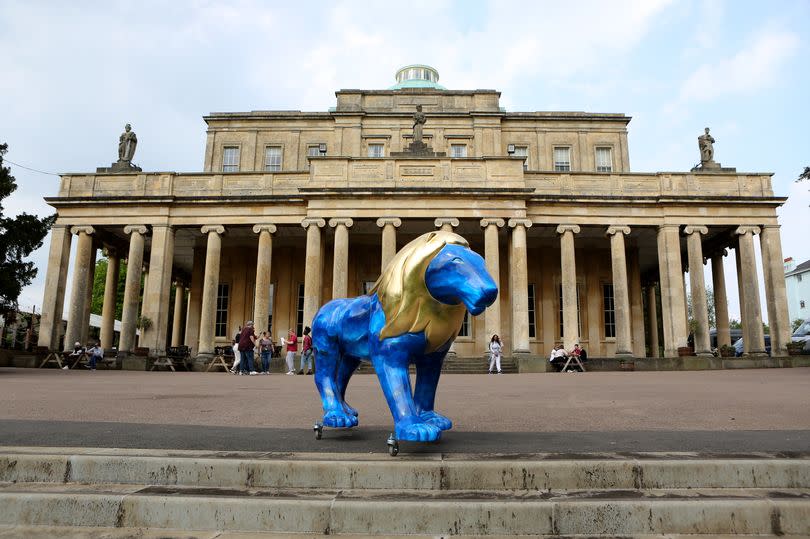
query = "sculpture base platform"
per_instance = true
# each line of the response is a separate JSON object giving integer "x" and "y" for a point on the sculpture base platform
{"x": 118, "y": 167}
{"x": 711, "y": 166}
{"x": 418, "y": 149}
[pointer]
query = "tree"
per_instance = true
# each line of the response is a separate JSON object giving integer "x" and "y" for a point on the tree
{"x": 734, "y": 324}
{"x": 19, "y": 236}
{"x": 709, "y": 306}
{"x": 100, "y": 280}
{"x": 804, "y": 175}
{"x": 795, "y": 324}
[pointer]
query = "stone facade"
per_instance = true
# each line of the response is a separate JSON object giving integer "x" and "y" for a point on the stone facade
{"x": 309, "y": 206}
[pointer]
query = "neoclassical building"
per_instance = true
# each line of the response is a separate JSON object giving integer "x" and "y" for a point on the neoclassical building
{"x": 295, "y": 208}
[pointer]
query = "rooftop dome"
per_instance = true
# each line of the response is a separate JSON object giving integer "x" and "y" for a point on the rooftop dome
{"x": 417, "y": 76}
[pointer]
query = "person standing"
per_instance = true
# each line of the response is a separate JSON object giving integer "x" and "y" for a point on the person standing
{"x": 495, "y": 349}
{"x": 265, "y": 349}
{"x": 292, "y": 347}
{"x": 247, "y": 342}
{"x": 306, "y": 352}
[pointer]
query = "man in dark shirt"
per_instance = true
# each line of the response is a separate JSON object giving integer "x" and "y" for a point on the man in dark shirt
{"x": 247, "y": 342}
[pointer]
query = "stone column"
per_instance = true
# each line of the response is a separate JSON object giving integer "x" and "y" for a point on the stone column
{"x": 179, "y": 307}
{"x": 775, "y": 289}
{"x": 520, "y": 286}
{"x": 752, "y": 321}
{"x": 340, "y": 265}
{"x": 157, "y": 290}
{"x": 88, "y": 304}
{"x": 264, "y": 263}
{"x": 192, "y": 338}
{"x": 673, "y": 295}
{"x": 446, "y": 224}
{"x": 389, "y": 238}
{"x": 110, "y": 299}
{"x": 621, "y": 292}
{"x": 569, "y": 285}
{"x": 697, "y": 286}
{"x": 741, "y": 296}
{"x": 652, "y": 312}
{"x": 213, "y": 252}
{"x": 720, "y": 299}
{"x": 492, "y": 314}
{"x": 55, "y": 279}
{"x": 132, "y": 287}
{"x": 81, "y": 277}
{"x": 637, "y": 333}
{"x": 313, "y": 269}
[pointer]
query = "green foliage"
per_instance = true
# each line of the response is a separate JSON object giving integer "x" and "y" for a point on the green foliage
{"x": 144, "y": 323}
{"x": 795, "y": 324}
{"x": 19, "y": 236}
{"x": 734, "y": 324}
{"x": 804, "y": 175}
{"x": 766, "y": 329}
{"x": 709, "y": 306}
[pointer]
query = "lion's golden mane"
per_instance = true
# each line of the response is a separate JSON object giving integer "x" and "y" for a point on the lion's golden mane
{"x": 405, "y": 299}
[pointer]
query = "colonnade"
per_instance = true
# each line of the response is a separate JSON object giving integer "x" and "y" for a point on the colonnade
{"x": 199, "y": 312}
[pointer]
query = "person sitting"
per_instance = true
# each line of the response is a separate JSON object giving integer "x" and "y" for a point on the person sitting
{"x": 94, "y": 354}
{"x": 78, "y": 349}
{"x": 557, "y": 357}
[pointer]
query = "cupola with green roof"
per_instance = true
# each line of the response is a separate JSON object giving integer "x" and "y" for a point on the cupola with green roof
{"x": 417, "y": 76}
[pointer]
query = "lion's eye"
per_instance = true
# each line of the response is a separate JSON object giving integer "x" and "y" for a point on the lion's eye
{"x": 457, "y": 260}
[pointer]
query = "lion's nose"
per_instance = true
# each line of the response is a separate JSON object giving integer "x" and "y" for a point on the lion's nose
{"x": 489, "y": 293}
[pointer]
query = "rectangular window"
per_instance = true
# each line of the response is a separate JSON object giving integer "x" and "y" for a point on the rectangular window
{"x": 532, "y": 324}
{"x": 313, "y": 151}
{"x": 523, "y": 151}
{"x": 604, "y": 160}
{"x": 562, "y": 159}
{"x": 609, "y": 310}
{"x": 272, "y": 159}
{"x": 464, "y": 330}
{"x": 579, "y": 319}
{"x": 299, "y": 311}
{"x": 458, "y": 150}
{"x": 376, "y": 150}
{"x": 221, "y": 320}
{"x": 230, "y": 159}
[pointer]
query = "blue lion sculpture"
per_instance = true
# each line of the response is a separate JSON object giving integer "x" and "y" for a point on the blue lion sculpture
{"x": 411, "y": 316}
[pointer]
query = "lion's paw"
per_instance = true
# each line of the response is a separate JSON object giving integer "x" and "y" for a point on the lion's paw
{"x": 339, "y": 419}
{"x": 349, "y": 410}
{"x": 417, "y": 432}
{"x": 437, "y": 420}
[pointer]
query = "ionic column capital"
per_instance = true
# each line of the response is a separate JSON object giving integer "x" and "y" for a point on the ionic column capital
{"x": 82, "y": 229}
{"x": 109, "y": 251}
{"x": 526, "y": 223}
{"x": 695, "y": 229}
{"x": 140, "y": 229}
{"x": 219, "y": 229}
{"x": 345, "y": 221}
{"x": 441, "y": 221}
{"x": 616, "y": 229}
{"x": 382, "y": 221}
{"x": 561, "y": 229}
{"x": 313, "y": 221}
{"x": 719, "y": 252}
{"x": 269, "y": 227}
{"x": 490, "y": 221}
{"x": 746, "y": 229}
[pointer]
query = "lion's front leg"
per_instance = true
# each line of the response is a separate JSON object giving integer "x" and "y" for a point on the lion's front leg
{"x": 391, "y": 364}
{"x": 428, "y": 371}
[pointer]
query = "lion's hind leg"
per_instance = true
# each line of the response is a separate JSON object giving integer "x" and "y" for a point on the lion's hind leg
{"x": 345, "y": 370}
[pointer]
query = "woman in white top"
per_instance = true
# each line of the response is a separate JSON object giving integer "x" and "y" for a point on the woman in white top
{"x": 495, "y": 353}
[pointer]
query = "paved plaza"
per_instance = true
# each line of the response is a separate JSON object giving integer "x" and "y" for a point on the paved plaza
{"x": 725, "y": 411}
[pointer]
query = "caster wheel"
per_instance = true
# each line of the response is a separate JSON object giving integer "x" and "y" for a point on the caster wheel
{"x": 318, "y": 431}
{"x": 393, "y": 446}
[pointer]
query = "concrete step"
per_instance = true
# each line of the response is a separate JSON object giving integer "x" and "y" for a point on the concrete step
{"x": 433, "y": 471}
{"x": 424, "y": 512}
{"x": 426, "y": 494}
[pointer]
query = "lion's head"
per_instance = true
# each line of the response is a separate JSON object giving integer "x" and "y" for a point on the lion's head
{"x": 406, "y": 300}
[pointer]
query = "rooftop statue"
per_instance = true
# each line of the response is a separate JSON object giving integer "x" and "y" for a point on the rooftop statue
{"x": 706, "y": 145}
{"x": 411, "y": 316}
{"x": 127, "y": 143}
{"x": 419, "y": 120}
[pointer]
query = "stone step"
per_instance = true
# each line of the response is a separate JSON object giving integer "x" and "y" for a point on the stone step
{"x": 432, "y": 471}
{"x": 424, "y": 512}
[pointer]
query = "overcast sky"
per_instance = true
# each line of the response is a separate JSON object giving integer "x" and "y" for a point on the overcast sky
{"x": 73, "y": 73}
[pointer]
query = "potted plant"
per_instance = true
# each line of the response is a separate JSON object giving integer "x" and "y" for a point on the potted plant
{"x": 795, "y": 348}
{"x": 727, "y": 351}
